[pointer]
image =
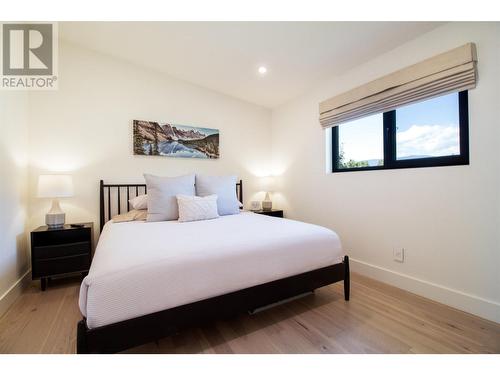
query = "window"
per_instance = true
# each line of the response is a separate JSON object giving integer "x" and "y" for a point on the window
{"x": 428, "y": 129}
{"x": 425, "y": 134}
{"x": 361, "y": 143}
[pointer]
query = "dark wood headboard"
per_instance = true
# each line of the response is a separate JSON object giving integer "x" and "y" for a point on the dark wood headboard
{"x": 112, "y": 198}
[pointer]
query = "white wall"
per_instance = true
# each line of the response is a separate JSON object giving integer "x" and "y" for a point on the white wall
{"x": 14, "y": 261}
{"x": 447, "y": 218}
{"x": 85, "y": 128}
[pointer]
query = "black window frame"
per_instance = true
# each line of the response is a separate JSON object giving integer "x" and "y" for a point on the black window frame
{"x": 390, "y": 161}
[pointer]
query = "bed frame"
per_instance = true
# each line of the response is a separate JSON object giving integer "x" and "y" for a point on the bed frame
{"x": 119, "y": 336}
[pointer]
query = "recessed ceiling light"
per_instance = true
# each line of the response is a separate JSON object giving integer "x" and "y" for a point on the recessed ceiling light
{"x": 262, "y": 70}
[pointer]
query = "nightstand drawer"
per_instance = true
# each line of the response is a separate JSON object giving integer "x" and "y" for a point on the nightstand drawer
{"x": 66, "y": 235}
{"x": 275, "y": 213}
{"x": 75, "y": 263}
{"x": 62, "y": 250}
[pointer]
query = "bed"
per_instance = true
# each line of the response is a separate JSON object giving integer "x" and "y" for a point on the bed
{"x": 149, "y": 280}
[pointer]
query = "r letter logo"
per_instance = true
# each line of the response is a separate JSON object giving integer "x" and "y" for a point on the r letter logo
{"x": 29, "y": 56}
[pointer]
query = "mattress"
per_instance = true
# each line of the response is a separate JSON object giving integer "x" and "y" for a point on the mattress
{"x": 140, "y": 268}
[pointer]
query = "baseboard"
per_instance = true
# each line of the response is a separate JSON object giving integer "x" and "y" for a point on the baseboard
{"x": 8, "y": 298}
{"x": 472, "y": 304}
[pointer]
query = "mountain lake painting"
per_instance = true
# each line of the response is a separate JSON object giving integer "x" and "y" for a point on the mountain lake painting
{"x": 180, "y": 141}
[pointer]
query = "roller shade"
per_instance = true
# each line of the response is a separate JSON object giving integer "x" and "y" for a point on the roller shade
{"x": 448, "y": 72}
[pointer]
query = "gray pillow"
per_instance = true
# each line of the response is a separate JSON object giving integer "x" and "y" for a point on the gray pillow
{"x": 162, "y": 192}
{"x": 225, "y": 189}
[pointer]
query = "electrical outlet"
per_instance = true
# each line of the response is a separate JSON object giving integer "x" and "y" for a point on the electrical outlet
{"x": 399, "y": 255}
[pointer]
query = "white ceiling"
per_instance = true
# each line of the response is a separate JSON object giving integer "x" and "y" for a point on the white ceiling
{"x": 225, "y": 56}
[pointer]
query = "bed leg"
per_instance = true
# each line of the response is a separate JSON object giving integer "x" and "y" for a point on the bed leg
{"x": 81, "y": 338}
{"x": 347, "y": 279}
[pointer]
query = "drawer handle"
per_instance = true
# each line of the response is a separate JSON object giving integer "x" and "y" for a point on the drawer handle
{"x": 61, "y": 258}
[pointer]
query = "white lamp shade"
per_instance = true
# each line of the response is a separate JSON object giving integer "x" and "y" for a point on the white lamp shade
{"x": 55, "y": 186}
{"x": 267, "y": 184}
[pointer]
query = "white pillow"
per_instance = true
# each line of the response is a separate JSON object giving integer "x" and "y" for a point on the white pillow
{"x": 140, "y": 202}
{"x": 162, "y": 192}
{"x": 197, "y": 208}
{"x": 222, "y": 186}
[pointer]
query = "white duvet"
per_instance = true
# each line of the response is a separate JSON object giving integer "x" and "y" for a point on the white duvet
{"x": 140, "y": 268}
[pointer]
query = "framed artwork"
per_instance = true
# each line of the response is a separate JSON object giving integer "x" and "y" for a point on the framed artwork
{"x": 180, "y": 141}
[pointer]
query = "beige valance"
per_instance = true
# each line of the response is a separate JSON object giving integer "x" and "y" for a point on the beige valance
{"x": 448, "y": 72}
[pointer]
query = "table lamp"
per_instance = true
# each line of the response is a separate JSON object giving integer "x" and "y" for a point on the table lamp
{"x": 55, "y": 186}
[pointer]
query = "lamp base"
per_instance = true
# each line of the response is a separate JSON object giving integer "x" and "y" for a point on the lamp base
{"x": 55, "y": 218}
{"x": 267, "y": 205}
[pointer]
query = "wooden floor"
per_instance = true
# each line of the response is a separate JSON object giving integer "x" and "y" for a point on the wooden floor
{"x": 378, "y": 319}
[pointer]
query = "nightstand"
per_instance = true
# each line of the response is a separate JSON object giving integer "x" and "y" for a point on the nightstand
{"x": 275, "y": 213}
{"x": 60, "y": 251}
